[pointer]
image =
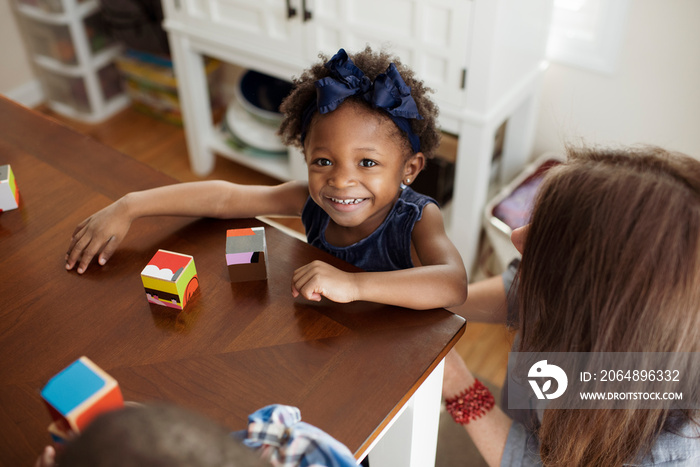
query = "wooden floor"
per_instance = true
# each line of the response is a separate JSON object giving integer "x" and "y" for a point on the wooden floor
{"x": 162, "y": 145}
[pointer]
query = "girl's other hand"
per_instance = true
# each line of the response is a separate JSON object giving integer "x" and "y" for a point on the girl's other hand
{"x": 318, "y": 279}
{"x": 100, "y": 234}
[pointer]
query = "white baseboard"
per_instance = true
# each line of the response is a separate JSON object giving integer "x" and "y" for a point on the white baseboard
{"x": 30, "y": 94}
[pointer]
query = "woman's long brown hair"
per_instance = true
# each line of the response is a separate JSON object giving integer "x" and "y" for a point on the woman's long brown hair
{"x": 612, "y": 264}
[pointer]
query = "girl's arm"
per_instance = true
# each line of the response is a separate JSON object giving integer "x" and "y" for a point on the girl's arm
{"x": 439, "y": 281}
{"x": 102, "y": 232}
{"x": 490, "y": 432}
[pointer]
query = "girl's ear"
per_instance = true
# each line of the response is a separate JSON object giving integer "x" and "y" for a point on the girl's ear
{"x": 413, "y": 166}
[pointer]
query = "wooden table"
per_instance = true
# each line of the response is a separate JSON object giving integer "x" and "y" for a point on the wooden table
{"x": 352, "y": 369}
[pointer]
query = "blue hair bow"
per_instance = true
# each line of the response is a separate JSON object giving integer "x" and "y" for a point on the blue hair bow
{"x": 388, "y": 92}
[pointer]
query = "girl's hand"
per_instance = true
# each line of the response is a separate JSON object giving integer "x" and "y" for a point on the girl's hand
{"x": 318, "y": 279}
{"x": 100, "y": 233}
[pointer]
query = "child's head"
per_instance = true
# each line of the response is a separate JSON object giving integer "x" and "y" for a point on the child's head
{"x": 156, "y": 435}
{"x": 301, "y": 107}
{"x": 364, "y": 123}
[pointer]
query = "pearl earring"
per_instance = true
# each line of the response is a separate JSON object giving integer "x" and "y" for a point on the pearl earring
{"x": 404, "y": 185}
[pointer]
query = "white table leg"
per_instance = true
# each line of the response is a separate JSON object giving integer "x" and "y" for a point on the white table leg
{"x": 473, "y": 169}
{"x": 411, "y": 440}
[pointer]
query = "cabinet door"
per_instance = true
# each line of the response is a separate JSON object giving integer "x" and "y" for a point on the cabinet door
{"x": 430, "y": 36}
{"x": 257, "y": 27}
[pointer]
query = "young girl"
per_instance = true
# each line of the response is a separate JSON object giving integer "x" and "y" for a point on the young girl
{"x": 366, "y": 126}
{"x": 611, "y": 263}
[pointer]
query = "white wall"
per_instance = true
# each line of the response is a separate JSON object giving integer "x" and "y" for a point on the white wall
{"x": 16, "y": 71}
{"x": 653, "y": 97}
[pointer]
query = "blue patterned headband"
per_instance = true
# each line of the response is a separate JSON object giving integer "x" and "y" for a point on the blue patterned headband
{"x": 389, "y": 92}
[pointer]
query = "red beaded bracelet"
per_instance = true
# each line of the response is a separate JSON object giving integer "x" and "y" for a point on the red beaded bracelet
{"x": 470, "y": 404}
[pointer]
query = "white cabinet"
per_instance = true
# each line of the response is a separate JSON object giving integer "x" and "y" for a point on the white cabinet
{"x": 74, "y": 57}
{"x": 431, "y": 36}
{"x": 484, "y": 59}
{"x": 260, "y": 26}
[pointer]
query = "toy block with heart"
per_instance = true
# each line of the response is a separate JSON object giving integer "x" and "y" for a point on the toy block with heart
{"x": 170, "y": 279}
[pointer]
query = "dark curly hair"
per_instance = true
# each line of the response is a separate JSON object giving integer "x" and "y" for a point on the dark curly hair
{"x": 372, "y": 64}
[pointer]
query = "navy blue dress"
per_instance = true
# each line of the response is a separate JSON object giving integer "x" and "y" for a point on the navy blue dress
{"x": 386, "y": 249}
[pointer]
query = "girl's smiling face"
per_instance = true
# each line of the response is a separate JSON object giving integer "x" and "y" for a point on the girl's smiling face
{"x": 356, "y": 161}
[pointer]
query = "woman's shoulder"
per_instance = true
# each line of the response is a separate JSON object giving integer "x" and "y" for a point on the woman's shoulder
{"x": 679, "y": 447}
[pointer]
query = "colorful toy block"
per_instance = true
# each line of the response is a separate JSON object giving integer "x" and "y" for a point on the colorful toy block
{"x": 246, "y": 254}
{"x": 9, "y": 194}
{"x": 170, "y": 279}
{"x": 78, "y": 394}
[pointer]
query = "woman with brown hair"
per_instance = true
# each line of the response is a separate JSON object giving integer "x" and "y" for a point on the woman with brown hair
{"x": 610, "y": 263}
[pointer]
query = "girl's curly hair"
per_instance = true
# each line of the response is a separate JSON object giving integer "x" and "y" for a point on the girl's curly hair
{"x": 372, "y": 64}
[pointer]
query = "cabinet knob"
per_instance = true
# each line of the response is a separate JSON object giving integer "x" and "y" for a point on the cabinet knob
{"x": 291, "y": 11}
{"x": 307, "y": 12}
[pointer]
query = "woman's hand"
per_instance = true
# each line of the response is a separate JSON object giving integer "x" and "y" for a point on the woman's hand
{"x": 488, "y": 432}
{"x": 100, "y": 234}
{"x": 318, "y": 279}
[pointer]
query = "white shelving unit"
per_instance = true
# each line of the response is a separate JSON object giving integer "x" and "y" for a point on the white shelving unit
{"x": 484, "y": 58}
{"x": 289, "y": 166}
{"x": 74, "y": 57}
